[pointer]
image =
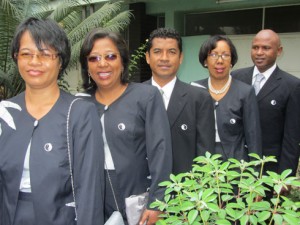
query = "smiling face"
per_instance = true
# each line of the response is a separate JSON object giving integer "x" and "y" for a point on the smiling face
{"x": 107, "y": 70}
{"x": 219, "y": 69}
{"x": 164, "y": 59}
{"x": 38, "y": 71}
{"x": 265, "y": 49}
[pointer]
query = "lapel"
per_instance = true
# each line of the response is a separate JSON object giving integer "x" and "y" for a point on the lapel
{"x": 272, "y": 83}
{"x": 177, "y": 101}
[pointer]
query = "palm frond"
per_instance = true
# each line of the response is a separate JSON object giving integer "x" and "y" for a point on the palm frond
{"x": 97, "y": 19}
{"x": 68, "y": 13}
{"x": 63, "y": 9}
{"x": 9, "y": 7}
{"x": 119, "y": 22}
{"x": 75, "y": 54}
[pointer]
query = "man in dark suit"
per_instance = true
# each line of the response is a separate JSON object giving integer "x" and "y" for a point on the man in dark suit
{"x": 278, "y": 100}
{"x": 190, "y": 109}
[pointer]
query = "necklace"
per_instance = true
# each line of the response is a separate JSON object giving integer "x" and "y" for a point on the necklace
{"x": 222, "y": 90}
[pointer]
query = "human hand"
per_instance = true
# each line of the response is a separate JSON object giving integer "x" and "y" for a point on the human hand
{"x": 149, "y": 217}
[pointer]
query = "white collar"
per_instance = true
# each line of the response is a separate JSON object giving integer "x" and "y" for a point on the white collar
{"x": 266, "y": 74}
{"x": 168, "y": 88}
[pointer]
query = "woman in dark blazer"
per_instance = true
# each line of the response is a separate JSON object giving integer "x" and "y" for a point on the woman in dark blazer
{"x": 136, "y": 134}
{"x": 237, "y": 119}
{"x": 35, "y": 161}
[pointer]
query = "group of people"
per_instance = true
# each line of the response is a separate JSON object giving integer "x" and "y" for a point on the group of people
{"x": 68, "y": 159}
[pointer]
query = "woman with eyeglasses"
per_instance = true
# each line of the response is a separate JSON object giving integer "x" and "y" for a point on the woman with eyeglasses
{"x": 136, "y": 132}
{"x": 48, "y": 175}
{"x": 236, "y": 111}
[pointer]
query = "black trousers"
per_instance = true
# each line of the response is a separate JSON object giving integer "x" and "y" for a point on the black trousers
{"x": 24, "y": 212}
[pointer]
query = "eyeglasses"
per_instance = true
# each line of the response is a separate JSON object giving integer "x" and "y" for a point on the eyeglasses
{"x": 43, "y": 56}
{"x": 223, "y": 56}
{"x": 97, "y": 58}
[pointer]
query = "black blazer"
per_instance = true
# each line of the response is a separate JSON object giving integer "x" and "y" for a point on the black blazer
{"x": 191, "y": 117}
{"x": 279, "y": 107}
{"x": 49, "y": 163}
{"x": 237, "y": 121}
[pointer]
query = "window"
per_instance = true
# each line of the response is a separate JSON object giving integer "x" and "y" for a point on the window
{"x": 283, "y": 19}
{"x": 248, "y": 21}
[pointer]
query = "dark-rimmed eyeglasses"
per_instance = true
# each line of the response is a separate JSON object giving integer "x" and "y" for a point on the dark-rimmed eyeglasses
{"x": 43, "y": 56}
{"x": 216, "y": 56}
{"x": 97, "y": 58}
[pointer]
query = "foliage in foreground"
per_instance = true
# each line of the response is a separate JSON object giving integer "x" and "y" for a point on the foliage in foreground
{"x": 225, "y": 193}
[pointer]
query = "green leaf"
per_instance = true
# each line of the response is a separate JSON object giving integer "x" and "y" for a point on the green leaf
{"x": 277, "y": 188}
{"x": 262, "y": 216}
{"x": 213, "y": 207}
{"x": 226, "y": 198}
{"x": 285, "y": 174}
{"x": 291, "y": 220}
{"x": 192, "y": 215}
{"x": 253, "y": 220}
{"x": 244, "y": 220}
{"x": 278, "y": 219}
{"x": 222, "y": 214}
{"x": 205, "y": 215}
{"x": 259, "y": 206}
{"x": 207, "y": 193}
{"x": 231, "y": 212}
{"x": 187, "y": 206}
{"x": 223, "y": 222}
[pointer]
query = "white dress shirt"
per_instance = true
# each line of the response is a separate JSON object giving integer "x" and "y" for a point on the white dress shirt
{"x": 167, "y": 90}
{"x": 25, "y": 185}
{"x": 266, "y": 74}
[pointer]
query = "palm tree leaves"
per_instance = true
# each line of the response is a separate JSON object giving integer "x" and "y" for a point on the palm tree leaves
{"x": 106, "y": 17}
{"x": 68, "y": 13}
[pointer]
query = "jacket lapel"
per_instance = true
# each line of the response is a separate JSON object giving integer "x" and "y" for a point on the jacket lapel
{"x": 272, "y": 83}
{"x": 177, "y": 102}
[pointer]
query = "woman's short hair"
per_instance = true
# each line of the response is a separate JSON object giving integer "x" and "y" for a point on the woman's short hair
{"x": 211, "y": 44}
{"x": 88, "y": 84}
{"x": 44, "y": 32}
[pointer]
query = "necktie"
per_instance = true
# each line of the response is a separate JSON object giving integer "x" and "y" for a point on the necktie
{"x": 162, "y": 95}
{"x": 258, "y": 79}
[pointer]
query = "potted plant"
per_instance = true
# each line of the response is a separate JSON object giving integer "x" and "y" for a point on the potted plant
{"x": 226, "y": 192}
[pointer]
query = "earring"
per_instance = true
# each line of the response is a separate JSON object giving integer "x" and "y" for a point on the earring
{"x": 205, "y": 65}
{"x": 89, "y": 77}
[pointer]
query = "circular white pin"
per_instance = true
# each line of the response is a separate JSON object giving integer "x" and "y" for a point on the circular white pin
{"x": 48, "y": 147}
{"x": 184, "y": 127}
{"x": 121, "y": 126}
{"x": 232, "y": 121}
{"x": 273, "y": 102}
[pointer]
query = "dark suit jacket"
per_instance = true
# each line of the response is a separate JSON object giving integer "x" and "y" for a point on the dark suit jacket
{"x": 191, "y": 118}
{"x": 279, "y": 107}
{"x": 49, "y": 167}
{"x": 237, "y": 121}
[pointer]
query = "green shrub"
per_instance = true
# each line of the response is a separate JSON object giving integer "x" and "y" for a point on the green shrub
{"x": 218, "y": 192}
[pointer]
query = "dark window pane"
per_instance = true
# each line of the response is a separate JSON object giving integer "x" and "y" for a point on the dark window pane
{"x": 160, "y": 21}
{"x": 233, "y": 22}
{"x": 283, "y": 19}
